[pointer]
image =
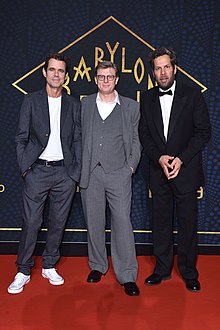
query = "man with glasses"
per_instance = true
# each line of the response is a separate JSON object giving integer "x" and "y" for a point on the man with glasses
{"x": 111, "y": 152}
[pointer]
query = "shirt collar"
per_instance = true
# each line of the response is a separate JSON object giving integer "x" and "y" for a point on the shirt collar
{"x": 116, "y": 100}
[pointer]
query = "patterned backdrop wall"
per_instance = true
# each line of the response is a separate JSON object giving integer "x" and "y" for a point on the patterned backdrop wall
{"x": 124, "y": 32}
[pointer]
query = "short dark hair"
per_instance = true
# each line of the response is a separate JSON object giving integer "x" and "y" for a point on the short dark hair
{"x": 58, "y": 57}
{"x": 160, "y": 52}
{"x": 106, "y": 65}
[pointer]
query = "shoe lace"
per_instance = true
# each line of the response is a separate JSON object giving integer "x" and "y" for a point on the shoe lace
{"x": 53, "y": 273}
{"x": 20, "y": 278}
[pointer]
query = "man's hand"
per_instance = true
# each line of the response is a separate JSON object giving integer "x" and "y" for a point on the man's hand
{"x": 165, "y": 162}
{"x": 25, "y": 173}
{"x": 132, "y": 170}
{"x": 176, "y": 165}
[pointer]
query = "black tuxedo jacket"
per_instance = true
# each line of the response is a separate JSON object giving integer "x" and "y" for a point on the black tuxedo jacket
{"x": 34, "y": 130}
{"x": 189, "y": 129}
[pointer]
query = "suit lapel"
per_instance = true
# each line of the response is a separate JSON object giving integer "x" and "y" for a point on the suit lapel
{"x": 90, "y": 112}
{"x": 157, "y": 114}
{"x": 176, "y": 110}
{"x": 124, "y": 105}
{"x": 64, "y": 110}
{"x": 44, "y": 109}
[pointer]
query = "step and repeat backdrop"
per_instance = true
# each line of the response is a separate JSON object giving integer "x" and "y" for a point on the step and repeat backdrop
{"x": 123, "y": 32}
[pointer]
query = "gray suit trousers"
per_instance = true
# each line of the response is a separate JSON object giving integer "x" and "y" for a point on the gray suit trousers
{"x": 39, "y": 183}
{"x": 115, "y": 187}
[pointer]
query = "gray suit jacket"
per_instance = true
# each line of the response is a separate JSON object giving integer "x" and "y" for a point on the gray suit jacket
{"x": 33, "y": 131}
{"x": 130, "y": 119}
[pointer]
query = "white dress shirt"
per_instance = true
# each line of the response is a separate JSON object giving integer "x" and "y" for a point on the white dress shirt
{"x": 106, "y": 108}
{"x": 166, "y": 105}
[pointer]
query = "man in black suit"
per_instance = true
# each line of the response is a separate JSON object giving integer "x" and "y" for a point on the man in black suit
{"x": 48, "y": 142}
{"x": 173, "y": 127}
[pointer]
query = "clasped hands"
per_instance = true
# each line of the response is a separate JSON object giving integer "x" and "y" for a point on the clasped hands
{"x": 171, "y": 166}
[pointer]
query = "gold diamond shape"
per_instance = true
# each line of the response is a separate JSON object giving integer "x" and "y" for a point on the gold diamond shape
{"x": 118, "y": 29}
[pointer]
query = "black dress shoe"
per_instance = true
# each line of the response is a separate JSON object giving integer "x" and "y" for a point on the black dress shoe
{"x": 192, "y": 285}
{"x": 94, "y": 276}
{"x": 156, "y": 279}
{"x": 131, "y": 288}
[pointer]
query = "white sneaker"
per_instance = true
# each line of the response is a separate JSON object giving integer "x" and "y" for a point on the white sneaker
{"x": 18, "y": 284}
{"x": 52, "y": 275}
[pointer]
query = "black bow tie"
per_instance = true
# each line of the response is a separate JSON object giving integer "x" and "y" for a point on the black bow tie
{"x": 169, "y": 92}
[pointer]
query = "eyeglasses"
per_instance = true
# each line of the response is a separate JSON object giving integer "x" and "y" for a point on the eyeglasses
{"x": 109, "y": 77}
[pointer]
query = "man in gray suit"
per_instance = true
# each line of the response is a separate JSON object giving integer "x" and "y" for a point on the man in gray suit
{"x": 111, "y": 152}
{"x": 48, "y": 144}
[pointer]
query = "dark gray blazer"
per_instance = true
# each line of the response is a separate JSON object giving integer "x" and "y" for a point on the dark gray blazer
{"x": 130, "y": 119}
{"x": 33, "y": 131}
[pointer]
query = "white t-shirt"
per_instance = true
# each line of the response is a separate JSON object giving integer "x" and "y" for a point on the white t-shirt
{"x": 53, "y": 150}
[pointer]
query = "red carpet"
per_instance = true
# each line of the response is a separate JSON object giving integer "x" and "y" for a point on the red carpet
{"x": 104, "y": 306}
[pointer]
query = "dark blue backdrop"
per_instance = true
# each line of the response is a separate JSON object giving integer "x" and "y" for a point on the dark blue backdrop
{"x": 32, "y": 29}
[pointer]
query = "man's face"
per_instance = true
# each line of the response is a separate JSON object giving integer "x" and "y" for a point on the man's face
{"x": 56, "y": 73}
{"x": 164, "y": 72}
{"x": 106, "y": 81}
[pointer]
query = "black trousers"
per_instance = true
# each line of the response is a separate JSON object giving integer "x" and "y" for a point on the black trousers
{"x": 39, "y": 183}
{"x": 186, "y": 210}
